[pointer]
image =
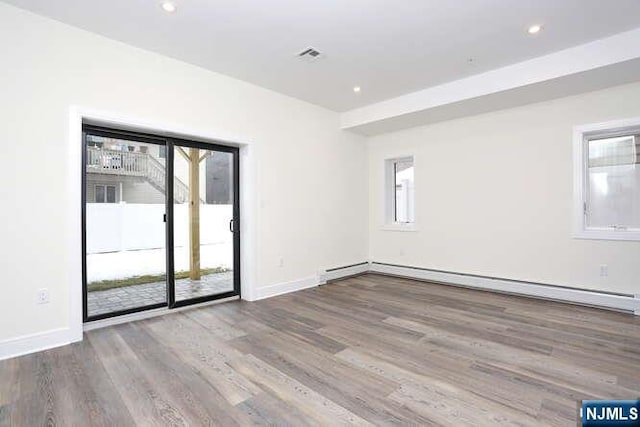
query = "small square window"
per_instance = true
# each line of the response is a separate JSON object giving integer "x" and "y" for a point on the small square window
{"x": 400, "y": 194}
{"x": 105, "y": 193}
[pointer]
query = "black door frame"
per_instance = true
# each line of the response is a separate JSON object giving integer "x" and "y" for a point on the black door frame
{"x": 235, "y": 151}
{"x": 169, "y": 143}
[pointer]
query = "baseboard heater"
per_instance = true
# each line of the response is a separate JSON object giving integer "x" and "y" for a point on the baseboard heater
{"x": 628, "y": 303}
{"x": 337, "y": 273}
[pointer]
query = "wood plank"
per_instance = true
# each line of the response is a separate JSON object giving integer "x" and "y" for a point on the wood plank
{"x": 194, "y": 214}
{"x": 443, "y": 402}
{"x": 360, "y": 392}
{"x": 146, "y": 403}
{"x": 205, "y": 355}
{"x": 265, "y": 409}
{"x": 91, "y": 397}
{"x": 312, "y": 404}
{"x": 183, "y": 386}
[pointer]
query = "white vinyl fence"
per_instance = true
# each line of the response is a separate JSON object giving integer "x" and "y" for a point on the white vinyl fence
{"x": 115, "y": 227}
{"x": 125, "y": 240}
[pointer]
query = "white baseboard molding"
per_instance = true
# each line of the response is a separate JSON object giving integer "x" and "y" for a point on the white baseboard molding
{"x": 33, "y": 343}
{"x": 611, "y": 301}
{"x": 285, "y": 288}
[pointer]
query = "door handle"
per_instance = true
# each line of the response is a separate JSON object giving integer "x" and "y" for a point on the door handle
{"x": 231, "y": 225}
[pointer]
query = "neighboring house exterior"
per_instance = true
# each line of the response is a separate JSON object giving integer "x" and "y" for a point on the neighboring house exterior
{"x": 120, "y": 171}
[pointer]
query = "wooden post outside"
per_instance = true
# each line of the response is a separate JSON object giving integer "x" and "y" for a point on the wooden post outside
{"x": 194, "y": 213}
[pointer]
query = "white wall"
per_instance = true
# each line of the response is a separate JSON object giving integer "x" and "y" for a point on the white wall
{"x": 305, "y": 166}
{"x": 494, "y": 196}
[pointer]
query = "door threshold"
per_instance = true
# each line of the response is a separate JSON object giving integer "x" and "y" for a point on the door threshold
{"x": 103, "y": 323}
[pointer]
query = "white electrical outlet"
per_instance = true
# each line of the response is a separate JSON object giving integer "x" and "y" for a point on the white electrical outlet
{"x": 604, "y": 270}
{"x": 43, "y": 296}
{"x": 281, "y": 262}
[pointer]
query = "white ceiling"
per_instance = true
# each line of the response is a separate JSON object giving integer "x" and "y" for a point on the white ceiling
{"x": 389, "y": 48}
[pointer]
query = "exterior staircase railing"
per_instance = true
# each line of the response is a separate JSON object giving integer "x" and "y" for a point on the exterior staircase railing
{"x": 127, "y": 163}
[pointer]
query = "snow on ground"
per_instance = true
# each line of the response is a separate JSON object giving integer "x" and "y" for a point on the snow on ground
{"x": 120, "y": 265}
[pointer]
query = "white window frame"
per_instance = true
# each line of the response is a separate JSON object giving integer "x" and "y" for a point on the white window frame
{"x": 389, "y": 223}
{"x": 581, "y": 135}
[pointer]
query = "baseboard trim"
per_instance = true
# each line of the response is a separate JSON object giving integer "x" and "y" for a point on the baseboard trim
{"x": 610, "y": 301}
{"x": 285, "y": 288}
{"x": 323, "y": 277}
{"x": 33, "y": 343}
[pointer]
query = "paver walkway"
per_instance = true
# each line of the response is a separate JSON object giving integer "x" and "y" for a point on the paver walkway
{"x": 126, "y": 297}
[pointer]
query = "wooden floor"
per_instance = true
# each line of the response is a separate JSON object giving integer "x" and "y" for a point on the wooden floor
{"x": 367, "y": 350}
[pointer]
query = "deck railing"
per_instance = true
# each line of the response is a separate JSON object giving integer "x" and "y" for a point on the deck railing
{"x": 128, "y": 163}
{"x": 116, "y": 162}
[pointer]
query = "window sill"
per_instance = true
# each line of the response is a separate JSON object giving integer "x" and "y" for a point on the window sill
{"x": 399, "y": 227}
{"x": 628, "y": 235}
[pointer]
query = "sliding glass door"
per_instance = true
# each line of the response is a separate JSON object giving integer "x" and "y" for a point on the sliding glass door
{"x": 205, "y": 218}
{"x": 124, "y": 228}
{"x": 160, "y": 222}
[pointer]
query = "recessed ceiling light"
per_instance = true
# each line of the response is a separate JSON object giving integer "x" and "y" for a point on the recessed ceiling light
{"x": 167, "y": 6}
{"x": 356, "y": 89}
{"x": 534, "y": 29}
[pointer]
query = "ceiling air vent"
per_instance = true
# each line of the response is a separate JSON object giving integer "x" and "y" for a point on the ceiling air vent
{"x": 309, "y": 54}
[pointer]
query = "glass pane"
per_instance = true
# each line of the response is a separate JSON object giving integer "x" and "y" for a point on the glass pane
{"x": 99, "y": 194}
{"x": 404, "y": 200}
{"x": 203, "y": 240}
{"x": 126, "y": 267}
{"x": 111, "y": 194}
{"x": 614, "y": 182}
